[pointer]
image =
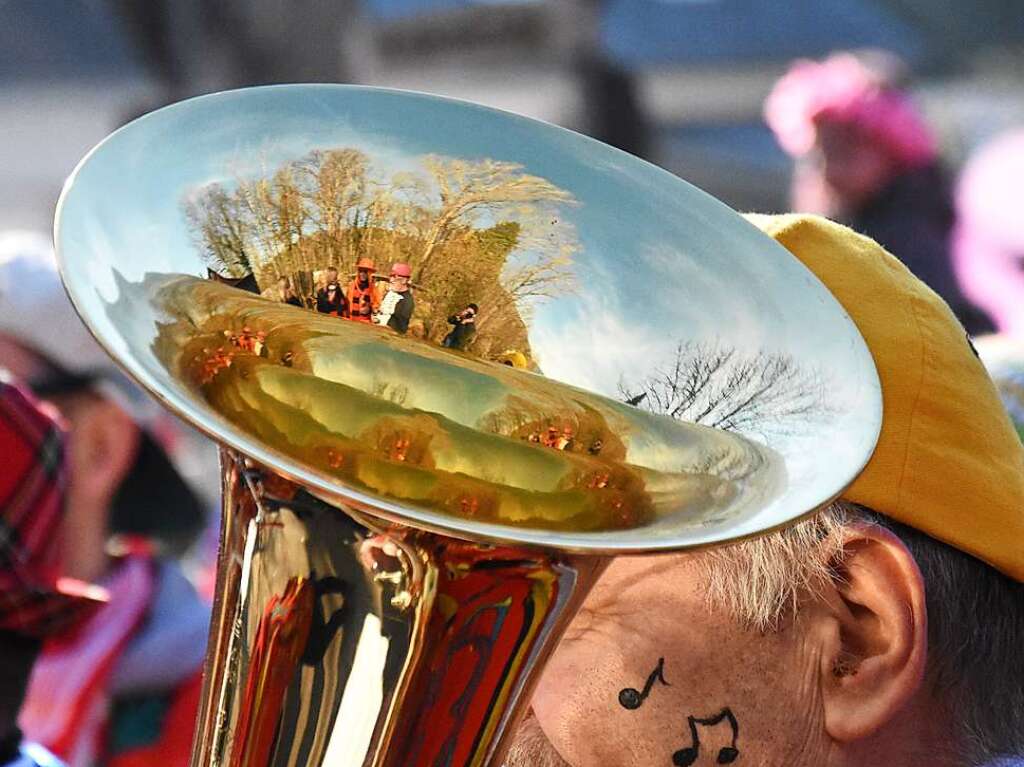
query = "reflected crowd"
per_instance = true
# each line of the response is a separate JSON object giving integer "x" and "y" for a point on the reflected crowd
{"x": 370, "y": 298}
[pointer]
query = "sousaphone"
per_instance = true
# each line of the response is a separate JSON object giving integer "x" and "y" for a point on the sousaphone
{"x": 410, "y": 519}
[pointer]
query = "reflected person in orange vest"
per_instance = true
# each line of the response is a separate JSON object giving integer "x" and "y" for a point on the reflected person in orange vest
{"x": 362, "y": 296}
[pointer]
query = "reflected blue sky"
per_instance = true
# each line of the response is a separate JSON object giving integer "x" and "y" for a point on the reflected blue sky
{"x": 653, "y": 249}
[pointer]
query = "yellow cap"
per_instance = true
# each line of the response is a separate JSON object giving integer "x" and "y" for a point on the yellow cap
{"x": 948, "y": 461}
{"x": 514, "y": 358}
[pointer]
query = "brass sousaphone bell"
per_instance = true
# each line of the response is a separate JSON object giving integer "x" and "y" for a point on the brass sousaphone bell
{"x": 411, "y": 518}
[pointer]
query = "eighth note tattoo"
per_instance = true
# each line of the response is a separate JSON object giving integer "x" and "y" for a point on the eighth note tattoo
{"x": 632, "y": 699}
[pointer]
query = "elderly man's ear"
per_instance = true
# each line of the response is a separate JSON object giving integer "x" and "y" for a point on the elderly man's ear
{"x": 873, "y": 626}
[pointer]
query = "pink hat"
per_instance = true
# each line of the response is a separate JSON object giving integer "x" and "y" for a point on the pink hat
{"x": 843, "y": 89}
{"x": 401, "y": 270}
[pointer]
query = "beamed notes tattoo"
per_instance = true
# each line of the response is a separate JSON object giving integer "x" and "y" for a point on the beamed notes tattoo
{"x": 684, "y": 757}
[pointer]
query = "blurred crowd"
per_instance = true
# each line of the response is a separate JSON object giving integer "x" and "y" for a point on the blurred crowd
{"x": 102, "y": 626}
{"x": 866, "y": 156}
{"x": 95, "y": 516}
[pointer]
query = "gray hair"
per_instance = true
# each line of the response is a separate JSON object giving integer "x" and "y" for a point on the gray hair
{"x": 975, "y": 616}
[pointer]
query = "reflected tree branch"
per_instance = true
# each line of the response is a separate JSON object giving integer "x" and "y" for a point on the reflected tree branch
{"x": 708, "y": 383}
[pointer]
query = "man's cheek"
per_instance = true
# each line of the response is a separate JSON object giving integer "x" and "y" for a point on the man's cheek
{"x": 570, "y": 699}
{"x": 619, "y": 698}
{"x": 595, "y": 708}
{"x": 569, "y": 678}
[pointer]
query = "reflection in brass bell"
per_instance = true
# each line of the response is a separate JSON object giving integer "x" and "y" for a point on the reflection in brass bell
{"x": 455, "y": 358}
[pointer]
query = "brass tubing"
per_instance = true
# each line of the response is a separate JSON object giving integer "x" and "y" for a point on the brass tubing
{"x": 344, "y": 641}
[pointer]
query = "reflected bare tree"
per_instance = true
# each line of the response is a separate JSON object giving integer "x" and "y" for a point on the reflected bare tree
{"x": 480, "y": 231}
{"x": 708, "y": 383}
{"x": 219, "y": 228}
{"x": 465, "y": 189}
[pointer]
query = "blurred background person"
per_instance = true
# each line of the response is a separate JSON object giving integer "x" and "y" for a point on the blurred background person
{"x": 867, "y": 157}
{"x": 988, "y": 251}
{"x": 124, "y": 689}
{"x": 36, "y": 602}
{"x": 988, "y": 243}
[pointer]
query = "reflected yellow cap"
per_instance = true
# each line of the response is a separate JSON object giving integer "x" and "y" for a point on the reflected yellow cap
{"x": 948, "y": 461}
{"x": 514, "y": 358}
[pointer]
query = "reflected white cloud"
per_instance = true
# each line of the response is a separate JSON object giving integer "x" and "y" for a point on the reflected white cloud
{"x": 595, "y": 347}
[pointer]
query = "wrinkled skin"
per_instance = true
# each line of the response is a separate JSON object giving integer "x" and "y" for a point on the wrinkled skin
{"x": 839, "y": 684}
{"x": 644, "y": 609}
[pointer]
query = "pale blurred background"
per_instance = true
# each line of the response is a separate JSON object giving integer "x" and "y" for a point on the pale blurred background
{"x": 680, "y": 82}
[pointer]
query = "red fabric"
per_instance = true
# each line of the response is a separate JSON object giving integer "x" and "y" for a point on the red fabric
{"x": 174, "y": 747}
{"x": 34, "y": 599}
{"x": 65, "y": 708}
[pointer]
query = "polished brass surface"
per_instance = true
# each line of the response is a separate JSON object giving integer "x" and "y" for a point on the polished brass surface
{"x": 341, "y": 641}
{"x": 465, "y": 440}
{"x": 411, "y": 515}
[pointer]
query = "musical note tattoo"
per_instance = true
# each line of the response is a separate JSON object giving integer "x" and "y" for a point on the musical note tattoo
{"x": 632, "y": 699}
{"x": 684, "y": 757}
